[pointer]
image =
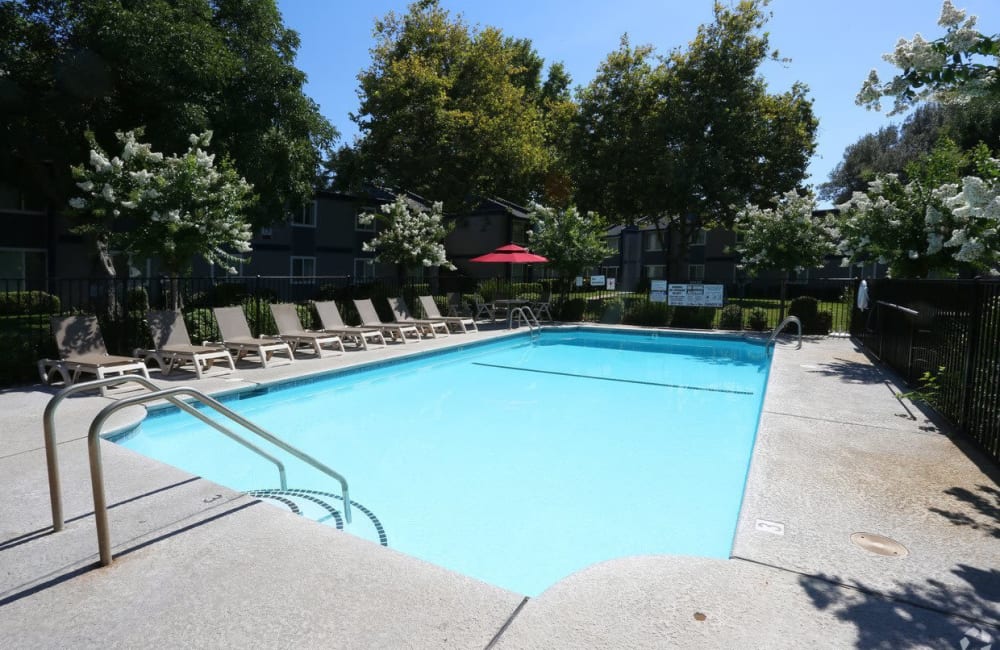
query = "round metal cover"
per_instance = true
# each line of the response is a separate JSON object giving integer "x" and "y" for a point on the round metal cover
{"x": 879, "y": 545}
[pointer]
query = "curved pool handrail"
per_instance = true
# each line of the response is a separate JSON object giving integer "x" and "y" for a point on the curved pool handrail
{"x": 51, "y": 452}
{"x": 781, "y": 326}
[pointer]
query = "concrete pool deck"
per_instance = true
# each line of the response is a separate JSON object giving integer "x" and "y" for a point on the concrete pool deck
{"x": 199, "y": 565}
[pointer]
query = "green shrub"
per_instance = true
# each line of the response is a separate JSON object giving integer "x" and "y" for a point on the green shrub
{"x": 700, "y": 318}
{"x": 806, "y": 308}
{"x": 731, "y": 318}
{"x": 612, "y": 311}
{"x": 225, "y": 294}
{"x": 823, "y": 323}
{"x": 493, "y": 289}
{"x": 757, "y": 321}
{"x": 526, "y": 289}
{"x": 571, "y": 311}
{"x": 201, "y": 325}
{"x": 22, "y": 303}
{"x": 649, "y": 314}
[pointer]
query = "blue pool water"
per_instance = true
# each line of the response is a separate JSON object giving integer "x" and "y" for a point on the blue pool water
{"x": 514, "y": 462}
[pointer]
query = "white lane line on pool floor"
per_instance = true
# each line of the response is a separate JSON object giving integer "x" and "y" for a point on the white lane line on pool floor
{"x": 624, "y": 381}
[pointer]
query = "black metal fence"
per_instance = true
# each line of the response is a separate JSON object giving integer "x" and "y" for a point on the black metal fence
{"x": 121, "y": 305}
{"x": 943, "y": 337}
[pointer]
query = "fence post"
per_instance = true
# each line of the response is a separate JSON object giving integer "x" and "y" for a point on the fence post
{"x": 978, "y": 297}
{"x": 256, "y": 305}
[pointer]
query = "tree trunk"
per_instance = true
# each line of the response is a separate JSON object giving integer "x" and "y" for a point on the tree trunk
{"x": 107, "y": 265}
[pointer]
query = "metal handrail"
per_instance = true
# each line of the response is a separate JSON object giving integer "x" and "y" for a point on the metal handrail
{"x": 527, "y": 315}
{"x": 49, "y": 428}
{"x": 781, "y": 326}
{"x": 94, "y": 450}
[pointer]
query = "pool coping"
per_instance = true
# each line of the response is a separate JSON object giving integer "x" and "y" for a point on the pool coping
{"x": 827, "y": 591}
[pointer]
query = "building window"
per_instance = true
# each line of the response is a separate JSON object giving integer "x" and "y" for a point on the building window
{"x": 22, "y": 269}
{"x": 364, "y": 269}
{"x": 698, "y": 237}
{"x": 368, "y": 226}
{"x": 613, "y": 243}
{"x": 303, "y": 270}
{"x": 696, "y": 272}
{"x": 518, "y": 231}
{"x": 610, "y": 271}
{"x": 307, "y": 217}
{"x": 656, "y": 271}
{"x": 650, "y": 241}
{"x": 266, "y": 232}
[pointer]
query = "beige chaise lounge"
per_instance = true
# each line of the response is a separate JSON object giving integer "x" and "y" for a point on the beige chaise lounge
{"x": 459, "y": 323}
{"x": 236, "y": 337}
{"x": 173, "y": 347}
{"x": 329, "y": 317}
{"x": 291, "y": 331}
{"x": 82, "y": 351}
{"x": 369, "y": 318}
{"x": 401, "y": 312}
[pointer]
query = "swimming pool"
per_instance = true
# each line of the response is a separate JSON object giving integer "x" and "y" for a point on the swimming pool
{"x": 514, "y": 462}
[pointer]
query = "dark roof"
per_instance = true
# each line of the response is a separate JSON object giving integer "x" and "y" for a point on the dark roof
{"x": 496, "y": 204}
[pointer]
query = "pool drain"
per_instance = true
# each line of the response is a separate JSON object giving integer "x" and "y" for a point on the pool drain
{"x": 879, "y": 545}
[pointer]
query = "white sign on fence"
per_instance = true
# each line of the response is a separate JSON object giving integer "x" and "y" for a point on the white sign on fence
{"x": 579, "y": 281}
{"x": 611, "y": 284}
{"x": 597, "y": 280}
{"x": 658, "y": 291}
{"x": 695, "y": 295}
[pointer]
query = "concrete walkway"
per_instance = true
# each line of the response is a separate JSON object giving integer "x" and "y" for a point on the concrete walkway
{"x": 198, "y": 565}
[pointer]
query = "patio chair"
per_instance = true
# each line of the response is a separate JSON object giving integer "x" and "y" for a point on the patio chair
{"x": 291, "y": 331}
{"x": 485, "y": 309}
{"x": 369, "y": 318}
{"x": 543, "y": 304}
{"x": 460, "y": 323}
{"x": 401, "y": 312}
{"x": 236, "y": 337}
{"x": 329, "y": 317}
{"x": 457, "y": 305}
{"x": 173, "y": 348}
{"x": 82, "y": 351}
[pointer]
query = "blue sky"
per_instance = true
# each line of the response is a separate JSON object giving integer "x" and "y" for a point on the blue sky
{"x": 832, "y": 45}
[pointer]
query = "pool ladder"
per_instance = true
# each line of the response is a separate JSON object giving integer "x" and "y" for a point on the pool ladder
{"x": 777, "y": 330}
{"x": 525, "y": 314}
{"x": 170, "y": 395}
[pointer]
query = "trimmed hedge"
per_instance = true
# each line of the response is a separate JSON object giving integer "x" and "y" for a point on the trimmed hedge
{"x": 22, "y": 303}
{"x": 650, "y": 314}
{"x": 699, "y": 318}
{"x": 731, "y": 318}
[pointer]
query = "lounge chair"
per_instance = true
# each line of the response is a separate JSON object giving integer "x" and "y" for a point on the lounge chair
{"x": 485, "y": 309}
{"x": 369, "y": 318}
{"x": 236, "y": 337}
{"x": 82, "y": 351}
{"x": 401, "y": 312}
{"x": 173, "y": 345}
{"x": 543, "y": 305}
{"x": 329, "y": 317}
{"x": 459, "y": 323}
{"x": 291, "y": 331}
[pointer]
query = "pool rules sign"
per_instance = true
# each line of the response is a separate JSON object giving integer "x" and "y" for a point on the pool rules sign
{"x": 695, "y": 295}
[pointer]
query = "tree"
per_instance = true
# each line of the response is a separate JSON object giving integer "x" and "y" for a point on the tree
{"x": 970, "y": 225}
{"x": 786, "y": 237}
{"x": 173, "y": 67}
{"x": 948, "y": 69}
{"x": 571, "y": 241}
{"x": 449, "y": 111}
{"x": 686, "y": 140}
{"x": 409, "y": 237}
{"x": 894, "y": 221}
{"x": 173, "y": 208}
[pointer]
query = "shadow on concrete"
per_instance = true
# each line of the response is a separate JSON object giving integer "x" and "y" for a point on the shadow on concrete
{"x": 985, "y": 501}
{"x": 73, "y": 573}
{"x": 35, "y": 534}
{"x": 851, "y": 372}
{"x": 926, "y": 615}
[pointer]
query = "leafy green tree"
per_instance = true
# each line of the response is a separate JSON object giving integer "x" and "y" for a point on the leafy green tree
{"x": 570, "y": 240}
{"x": 448, "y": 111}
{"x": 786, "y": 237}
{"x": 409, "y": 237}
{"x": 893, "y": 222}
{"x": 172, "y": 208}
{"x": 174, "y": 67}
{"x": 685, "y": 139}
{"x": 947, "y": 69}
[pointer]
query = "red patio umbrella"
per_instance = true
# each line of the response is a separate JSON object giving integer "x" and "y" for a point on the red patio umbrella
{"x": 510, "y": 253}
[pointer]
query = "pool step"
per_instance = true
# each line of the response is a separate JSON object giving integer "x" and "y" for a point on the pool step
{"x": 295, "y": 499}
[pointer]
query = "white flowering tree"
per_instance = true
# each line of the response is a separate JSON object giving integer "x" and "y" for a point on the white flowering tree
{"x": 408, "y": 237}
{"x": 570, "y": 240}
{"x": 786, "y": 237}
{"x": 173, "y": 208}
{"x": 969, "y": 225}
{"x": 954, "y": 67}
{"x": 923, "y": 228}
